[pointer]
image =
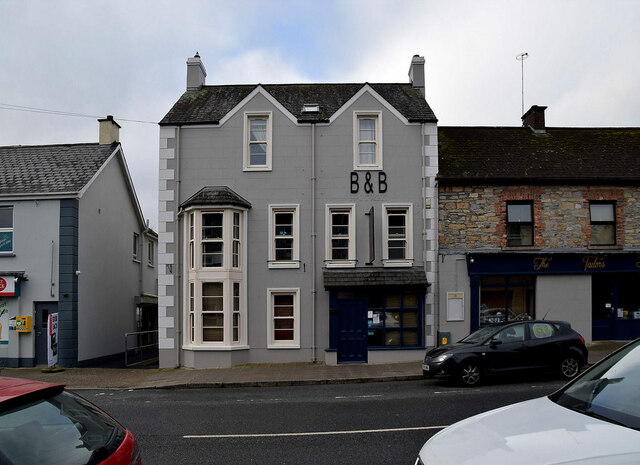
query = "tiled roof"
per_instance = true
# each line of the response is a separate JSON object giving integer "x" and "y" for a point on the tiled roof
{"x": 414, "y": 276}
{"x": 216, "y": 195}
{"x": 50, "y": 169}
{"x": 211, "y": 103}
{"x": 516, "y": 154}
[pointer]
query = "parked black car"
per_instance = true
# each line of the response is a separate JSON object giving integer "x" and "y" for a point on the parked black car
{"x": 508, "y": 347}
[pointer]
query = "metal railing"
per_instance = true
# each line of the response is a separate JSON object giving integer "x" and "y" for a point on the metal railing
{"x": 143, "y": 351}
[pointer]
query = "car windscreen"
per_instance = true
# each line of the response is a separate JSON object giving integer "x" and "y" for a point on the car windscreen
{"x": 609, "y": 391}
{"x": 62, "y": 429}
{"x": 480, "y": 335}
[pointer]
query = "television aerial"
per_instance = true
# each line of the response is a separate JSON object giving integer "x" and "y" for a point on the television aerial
{"x": 521, "y": 57}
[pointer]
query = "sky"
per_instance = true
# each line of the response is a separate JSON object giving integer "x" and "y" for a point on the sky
{"x": 128, "y": 59}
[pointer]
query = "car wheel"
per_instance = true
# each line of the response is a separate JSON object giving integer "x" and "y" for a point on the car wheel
{"x": 569, "y": 366}
{"x": 470, "y": 374}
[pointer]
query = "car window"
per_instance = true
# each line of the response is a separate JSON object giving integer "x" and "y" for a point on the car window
{"x": 541, "y": 330}
{"x": 511, "y": 334}
{"x": 64, "y": 429}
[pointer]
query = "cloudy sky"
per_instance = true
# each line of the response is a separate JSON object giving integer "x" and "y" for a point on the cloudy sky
{"x": 127, "y": 58}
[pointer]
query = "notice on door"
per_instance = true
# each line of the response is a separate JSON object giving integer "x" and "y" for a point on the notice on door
{"x": 52, "y": 339}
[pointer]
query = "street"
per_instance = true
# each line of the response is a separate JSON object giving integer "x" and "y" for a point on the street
{"x": 373, "y": 423}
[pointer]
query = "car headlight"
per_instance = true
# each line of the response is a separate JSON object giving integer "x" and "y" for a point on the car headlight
{"x": 442, "y": 358}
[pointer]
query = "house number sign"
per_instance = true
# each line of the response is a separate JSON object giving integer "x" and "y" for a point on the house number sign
{"x": 368, "y": 184}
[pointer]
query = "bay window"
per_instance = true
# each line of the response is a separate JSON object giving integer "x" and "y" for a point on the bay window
{"x": 216, "y": 277}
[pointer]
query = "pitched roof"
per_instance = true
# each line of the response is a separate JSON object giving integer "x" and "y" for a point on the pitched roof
{"x": 50, "y": 169}
{"x": 211, "y": 103}
{"x": 515, "y": 154}
{"x": 216, "y": 195}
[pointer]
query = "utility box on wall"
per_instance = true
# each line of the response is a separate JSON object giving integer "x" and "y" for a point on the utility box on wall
{"x": 23, "y": 324}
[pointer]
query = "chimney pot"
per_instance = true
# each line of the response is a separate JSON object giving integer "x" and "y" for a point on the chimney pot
{"x": 534, "y": 119}
{"x": 196, "y": 74}
{"x": 416, "y": 73}
{"x": 109, "y": 131}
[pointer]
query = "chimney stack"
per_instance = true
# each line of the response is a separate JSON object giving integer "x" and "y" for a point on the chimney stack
{"x": 109, "y": 131}
{"x": 196, "y": 74}
{"x": 416, "y": 73}
{"x": 534, "y": 119}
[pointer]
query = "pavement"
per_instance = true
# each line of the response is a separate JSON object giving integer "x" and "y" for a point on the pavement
{"x": 286, "y": 374}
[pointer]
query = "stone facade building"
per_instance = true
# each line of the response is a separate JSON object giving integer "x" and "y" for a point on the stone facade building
{"x": 540, "y": 222}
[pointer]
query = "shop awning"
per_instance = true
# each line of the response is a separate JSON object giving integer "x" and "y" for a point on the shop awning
{"x": 358, "y": 277}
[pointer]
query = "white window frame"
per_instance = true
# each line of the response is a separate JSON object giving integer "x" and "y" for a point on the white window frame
{"x": 136, "y": 247}
{"x": 151, "y": 254}
{"x": 350, "y": 209}
{"x": 9, "y": 230}
{"x": 408, "y": 260}
{"x": 295, "y": 261}
{"x": 227, "y": 275}
{"x": 271, "y": 342}
{"x": 357, "y": 116}
{"x": 248, "y": 115}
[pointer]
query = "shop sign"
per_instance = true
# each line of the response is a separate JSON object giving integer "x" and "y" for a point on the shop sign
{"x": 7, "y": 286}
{"x": 553, "y": 263}
{"x": 369, "y": 185}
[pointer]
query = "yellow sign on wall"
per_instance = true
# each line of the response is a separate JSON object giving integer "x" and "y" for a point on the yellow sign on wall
{"x": 23, "y": 324}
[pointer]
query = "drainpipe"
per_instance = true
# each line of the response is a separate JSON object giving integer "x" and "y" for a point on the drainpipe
{"x": 313, "y": 243}
{"x": 178, "y": 286}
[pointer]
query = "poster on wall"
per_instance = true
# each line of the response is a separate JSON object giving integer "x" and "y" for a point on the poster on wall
{"x": 4, "y": 322}
{"x": 52, "y": 339}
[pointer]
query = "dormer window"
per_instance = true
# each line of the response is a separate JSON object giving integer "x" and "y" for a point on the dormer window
{"x": 310, "y": 108}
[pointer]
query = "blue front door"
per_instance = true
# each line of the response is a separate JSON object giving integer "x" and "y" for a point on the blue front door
{"x": 352, "y": 323}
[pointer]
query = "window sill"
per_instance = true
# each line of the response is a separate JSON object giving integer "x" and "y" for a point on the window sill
{"x": 197, "y": 348}
{"x": 367, "y": 168}
{"x": 397, "y": 263}
{"x": 340, "y": 264}
{"x": 519, "y": 247}
{"x": 283, "y": 346}
{"x": 257, "y": 168}
{"x": 7, "y": 254}
{"x": 276, "y": 265}
{"x": 136, "y": 260}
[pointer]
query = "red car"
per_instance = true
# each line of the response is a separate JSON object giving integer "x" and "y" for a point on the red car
{"x": 42, "y": 423}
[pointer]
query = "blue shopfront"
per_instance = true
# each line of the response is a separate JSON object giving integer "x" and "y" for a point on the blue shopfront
{"x": 503, "y": 287}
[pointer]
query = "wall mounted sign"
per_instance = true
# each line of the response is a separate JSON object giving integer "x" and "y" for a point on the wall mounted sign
{"x": 7, "y": 286}
{"x": 369, "y": 185}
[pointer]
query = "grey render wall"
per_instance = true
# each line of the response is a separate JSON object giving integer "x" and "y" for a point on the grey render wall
{"x": 565, "y": 298}
{"x": 213, "y": 156}
{"x": 109, "y": 278}
{"x": 36, "y": 252}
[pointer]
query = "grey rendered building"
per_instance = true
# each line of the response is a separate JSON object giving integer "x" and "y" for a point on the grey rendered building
{"x": 540, "y": 222}
{"x": 73, "y": 241}
{"x": 297, "y": 223}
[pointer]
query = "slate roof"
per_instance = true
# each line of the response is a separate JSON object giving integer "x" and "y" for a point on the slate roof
{"x": 517, "y": 155}
{"x": 216, "y": 195}
{"x": 211, "y": 103}
{"x": 50, "y": 169}
{"x": 414, "y": 276}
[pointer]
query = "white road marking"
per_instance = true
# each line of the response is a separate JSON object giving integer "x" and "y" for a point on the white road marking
{"x": 311, "y": 433}
{"x": 359, "y": 397}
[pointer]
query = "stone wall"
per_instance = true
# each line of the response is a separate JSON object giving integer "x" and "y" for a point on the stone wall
{"x": 474, "y": 217}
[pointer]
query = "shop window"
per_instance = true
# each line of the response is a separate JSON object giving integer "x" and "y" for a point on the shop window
{"x": 394, "y": 320}
{"x": 506, "y": 299}
{"x": 6, "y": 229}
{"x": 519, "y": 224}
{"x": 603, "y": 223}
